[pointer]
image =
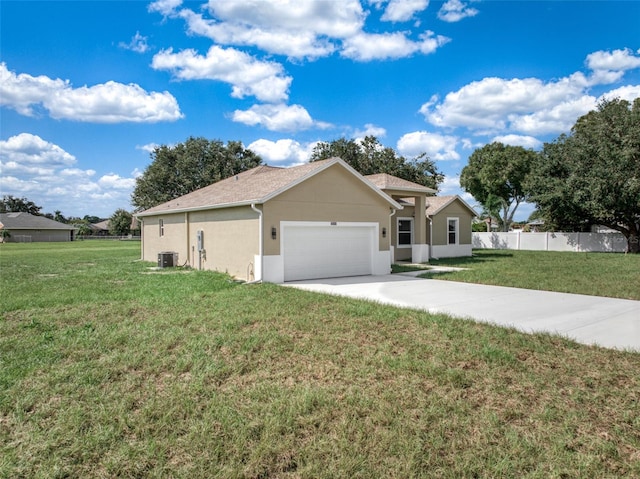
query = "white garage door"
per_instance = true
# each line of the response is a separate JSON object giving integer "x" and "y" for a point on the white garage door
{"x": 323, "y": 251}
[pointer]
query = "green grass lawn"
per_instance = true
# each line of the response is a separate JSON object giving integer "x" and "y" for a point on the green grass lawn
{"x": 597, "y": 274}
{"x": 110, "y": 369}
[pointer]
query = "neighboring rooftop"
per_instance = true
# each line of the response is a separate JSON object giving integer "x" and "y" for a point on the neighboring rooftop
{"x": 27, "y": 221}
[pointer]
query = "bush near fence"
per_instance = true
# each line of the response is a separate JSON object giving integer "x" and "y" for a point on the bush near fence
{"x": 578, "y": 242}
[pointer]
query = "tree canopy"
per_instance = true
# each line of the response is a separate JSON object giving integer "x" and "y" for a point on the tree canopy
{"x": 592, "y": 176}
{"x": 186, "y": 167}
{"x": 369, "y": 157}
{"x": 120, "y": 223}
{"x": 495, "y": 177}
{"x": 11, "y": 204}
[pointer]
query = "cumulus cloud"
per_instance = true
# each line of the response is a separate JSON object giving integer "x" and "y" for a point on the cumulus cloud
{"x": 455, "y": 10}
{"x": 246, "y": 75}
{"x": 303, "y": 30}
{"x": 278, "y": 117}
{"x": 370, "y": 130}
{"x": 518, "y": 140}
{"x": 137, "y": 44}
{"x": 47, "y": 174}
{"x": 437, "y": 147}
{"x": 403, "y": 10}
{"x": 384, "y": 46}
{"x": 109, "y": 102}
{"x": 531, "y": 106}
{"x": 28, "y": 149}
{"x": 286, "y": 151}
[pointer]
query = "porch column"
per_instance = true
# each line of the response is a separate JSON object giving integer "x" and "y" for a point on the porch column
{"x": 420, "y": 248}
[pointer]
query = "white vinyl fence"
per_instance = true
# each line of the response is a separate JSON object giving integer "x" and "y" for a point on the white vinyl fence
{"x": 578, "y": 242}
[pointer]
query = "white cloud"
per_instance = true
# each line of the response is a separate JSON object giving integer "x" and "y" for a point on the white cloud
{"x": 403, "y": 10}
{"x": 116, "y": 182}
{"x": 628, "y": 92}
{"x": 137, "y": 44}
{"x": 285, "y": 151}
{"x": 518, "y": 140}
{"x": 383, "y": 46}
{"x": 28, "y": 149}
{"x": 149, "y": 147}
{"x": 45, "y": 173}
{"x": 247, "y": 75}
{"x": 455, "y": 10}
{"x": 278, "y": 117}
{"x": 370, "y": 130}
{"x": 109, "y": 102}
{"x": 311, "y": 29}
{"x": 165, "y": 7}
{"x": 437, "y": 147}
{"x": 617, "y": 60}
{"x": 531, "y": 106}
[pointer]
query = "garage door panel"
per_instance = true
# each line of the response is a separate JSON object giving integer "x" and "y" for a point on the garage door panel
{"x": 327, "y": 251}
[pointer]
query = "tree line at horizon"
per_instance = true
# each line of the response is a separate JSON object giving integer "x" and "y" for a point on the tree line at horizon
{"x": 589, "y": 176}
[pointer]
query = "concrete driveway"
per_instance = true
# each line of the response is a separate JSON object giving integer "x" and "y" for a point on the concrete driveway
{"x": 608, "y": 322}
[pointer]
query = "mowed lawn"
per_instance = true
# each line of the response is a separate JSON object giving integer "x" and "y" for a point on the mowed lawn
{"x": 111, "y": 369}
{"x": 613, "y": 275}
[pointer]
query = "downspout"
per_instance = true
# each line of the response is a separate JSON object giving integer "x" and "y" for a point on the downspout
{"x": 261, "y": 244}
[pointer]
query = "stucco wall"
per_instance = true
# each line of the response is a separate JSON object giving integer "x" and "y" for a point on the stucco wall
{"x": 331, "y": 195}
{"x": 230, "y": 239}
{"x": 439, "y": 224}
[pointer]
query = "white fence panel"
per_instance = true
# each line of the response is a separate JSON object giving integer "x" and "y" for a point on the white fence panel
{"x": 578, "y": 242}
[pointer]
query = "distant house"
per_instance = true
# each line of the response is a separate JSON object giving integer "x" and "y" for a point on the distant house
{"x": 100, "y": 229}
{"x": 27, "y": 228}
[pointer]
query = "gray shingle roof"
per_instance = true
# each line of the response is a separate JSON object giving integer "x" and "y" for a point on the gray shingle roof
{"x": 385, "y": 181}
{"x": 252, "y": 186}
{"x": 26, "y": 221}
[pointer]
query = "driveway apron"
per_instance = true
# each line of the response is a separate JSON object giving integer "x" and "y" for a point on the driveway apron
{"x": 607, "y": 322}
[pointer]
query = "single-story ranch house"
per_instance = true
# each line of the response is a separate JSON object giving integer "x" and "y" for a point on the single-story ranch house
{"x": 26, "y": 228}
{"x": 317, "y": 220}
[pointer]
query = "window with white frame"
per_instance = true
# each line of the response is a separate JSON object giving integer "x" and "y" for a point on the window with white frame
{"x": 405, "y": 232}
{"x": 161, "y": 227}
{"x": 452, "y": 230}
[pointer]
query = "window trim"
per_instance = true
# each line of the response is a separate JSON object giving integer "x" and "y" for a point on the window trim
{"x": 161, "y": 227}
{"x": 456, "y": 230}
{"x": 410, "y": 220}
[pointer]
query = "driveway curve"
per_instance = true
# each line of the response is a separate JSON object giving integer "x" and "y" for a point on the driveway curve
{"x": 607, "y": 322}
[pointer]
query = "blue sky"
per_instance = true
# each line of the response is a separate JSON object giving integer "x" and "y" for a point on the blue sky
{"x": 87, "y": 88}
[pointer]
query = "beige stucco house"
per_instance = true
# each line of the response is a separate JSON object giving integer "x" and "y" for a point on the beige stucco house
{"x": 321, "y": 219}
{"x": 317, "y": 220}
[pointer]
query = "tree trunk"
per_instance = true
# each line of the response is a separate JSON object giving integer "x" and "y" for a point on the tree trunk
{"x": 633, "y": 243}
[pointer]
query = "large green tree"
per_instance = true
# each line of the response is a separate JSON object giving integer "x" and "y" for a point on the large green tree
{"x": 11, "y": 204}
{"x": 495, "y": 177}
{"x": 369, "y": 157}
{"x": 186, "y": 167}
{"x": 592, "y": 175}
{"x": 120, "y": 223}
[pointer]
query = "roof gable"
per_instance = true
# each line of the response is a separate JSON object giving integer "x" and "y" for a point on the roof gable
{"x": 436, "y": 204}
{"x": 254, "y": 186}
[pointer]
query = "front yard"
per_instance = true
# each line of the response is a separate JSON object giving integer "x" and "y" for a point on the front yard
{"x": 111, "y": 369}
